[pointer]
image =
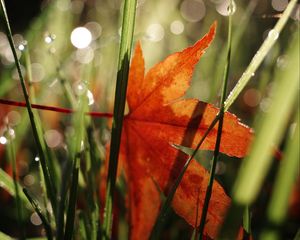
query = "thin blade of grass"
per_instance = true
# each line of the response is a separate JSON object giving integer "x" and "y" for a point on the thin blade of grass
{"x": 12, "y": 157}
{"x": 260, "y": 55}
{"x": 285, "y": 180}
{"x": 48, "y": 180}
{"x": 270, "y": 130}
{"x": 38, "y": 210}
{"x": 7, "y": 183}
{"x": 220, "y": 128}
{"x": 77, "y": 153}
{"x": 128, "y": 23}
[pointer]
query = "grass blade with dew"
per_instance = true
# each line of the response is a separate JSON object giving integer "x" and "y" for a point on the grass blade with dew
{"x": 220, "y": 126}
{"x": 77, "y": 152}
{"x": 12, "y": 156}
{"x": 285, "y": 180}
{"x": 38, "y": 210}
{"x": 128, "y": 23}
{"x": 236, "y": 40}
{"x": 260, "y": 55}
{"x": 50, "y": 186}
{"x": 270, "y": 130}
{"x": 50, "y": 159}
{"x": 229, "y": 101}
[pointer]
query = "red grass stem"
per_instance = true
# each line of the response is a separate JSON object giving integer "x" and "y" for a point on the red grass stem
{"x": 54, "y": 109}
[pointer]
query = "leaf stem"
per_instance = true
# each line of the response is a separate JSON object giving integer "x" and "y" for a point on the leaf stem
{"x": 120, "y": 98}
{"x": 220, "y": 127}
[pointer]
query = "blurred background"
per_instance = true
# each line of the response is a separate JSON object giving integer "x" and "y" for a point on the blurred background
{"x": 66, "y": 47}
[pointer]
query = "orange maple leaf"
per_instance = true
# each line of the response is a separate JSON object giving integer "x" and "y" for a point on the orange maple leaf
{"x": 157, "y": 119}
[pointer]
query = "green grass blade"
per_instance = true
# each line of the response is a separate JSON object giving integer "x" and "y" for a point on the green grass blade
{"x": 219, "y": 133}
{"x": 12, "y": 156}
{"x": 38, "y": 210}
{"x": 7, "y": 183}
{"x": 270, "y": 131}
{"x": 120, "y": 98}
{"x": 260, "y": 55}
{"x": 48, "y": 181}
{"x": 286, "y": 179}
{"x": 3, "y": 236}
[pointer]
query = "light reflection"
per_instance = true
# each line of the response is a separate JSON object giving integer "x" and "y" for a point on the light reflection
{"x": 95, "y": 29}
{"x": 35, "y": 219}
{"x": 14, "y": 118}
{"x": 155, "y": 32}
{"x": 53, "y": 138}
{"x": 3, "y": 140}
{"x": 177, "y": 27}
{"x": 252, "y": 97}
{"x": 279, "y": 5}
{"x": 29, "y": 180}
{"x": 193, "y": 10}
{"x": 81, "y": 37}
{"x": 90, "y": 97}
{"x": 85, "y": 55}
{"x": 49, "y": 38}
{"x": 38, "y": 72}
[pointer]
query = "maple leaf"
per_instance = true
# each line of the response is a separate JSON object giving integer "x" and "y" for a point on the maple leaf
{"x": 157, "y": 119}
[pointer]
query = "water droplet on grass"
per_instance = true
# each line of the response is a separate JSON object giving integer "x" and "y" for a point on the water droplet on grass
{"x": 49, "y": 38}
{"x": 90, "y": 97}
{"x": 3, "y": 140}
{"x": 274, "y": 34}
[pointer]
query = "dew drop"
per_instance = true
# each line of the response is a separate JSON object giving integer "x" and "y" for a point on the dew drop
{"x": 252, "y": 74}
{"x": 281, "y": 62}
{"x": 90, "y": 97}
{"x": 79, "y": 88}
{"x": 3, "y": 140}
{"x": 226, "y": 7}
{"x": 49, "y": 38}
{"x": 22, "y": 46}
{"x": 37, "y": 158}
{"x": 11, "y": 133}
{"x": 273, "y": 34}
